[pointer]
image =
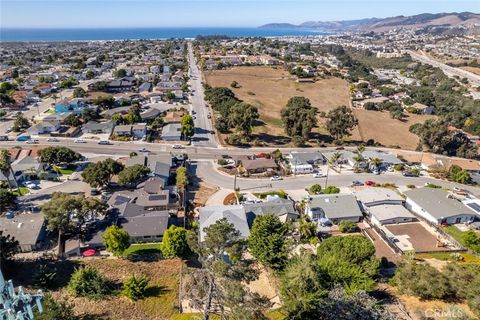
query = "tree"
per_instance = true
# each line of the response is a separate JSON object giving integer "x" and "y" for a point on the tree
{"x": 72, "y": 120}
{"x": 89, "y": 75}
{"x": 157, "y": 123}
{"x": 267, "y": 241}
{"x": 66, "y": 214}
{"x": 302, "y": 287}
{"x": 20, "y": 123}
{"x": 241, "y": 117}
{"x": 88, "y": 282}
{"x": 132, "y": 175}
{"x": 6, "y": 167}
{"x": 135, "y": 288}
{"x": 120, "y": 73}
{"x": 89, "y": 115}
{"x": 187, "y": 126}
{"x": 307, "y": 229}
{"x": 116, "y": 240}
{"x": 8, "y": 247}
{"x": 68, "y": 83}
{"x": 106, "y": 101}
{"x": 223, "y": 275}
{"x": 315, "y": 189}
{"x": 54, "y": 309}
{"x": 133, "y": 115}
{"x": 299, "y": 117}
{"x": 7, "y": 200}
{"x": 170, "y": 95}
{"x": 347, "y": 226}
{"x": 79, "y": 92}
{"x": 340, "y": 122}
{"x": 58, "y": 155}
{"x": 100, "y": 174}
{"x": 174, "y": 243}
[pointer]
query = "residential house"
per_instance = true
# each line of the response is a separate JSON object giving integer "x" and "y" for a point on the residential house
{"x": 334, "y": 207}
{"x": 76, "y": 106}
{"x": 43, "y": 127}
{"x": 305, "y": 162}
{"x": 421, "y": 108}
{"x": 384, "y": 206}
{"x": 123, "y": 130}
{"x": 28, "y": 229}
{"x": 284, "y": 209}
{"x": 438, "y": 206}
{"x": 94, "y": 127}
{"x": 139, "y": 130}
{"x": 233, "y": 214}
{"x": 26, "y": 168}
{"x": 259, "y": 166}
{"x": 172, "y": 132}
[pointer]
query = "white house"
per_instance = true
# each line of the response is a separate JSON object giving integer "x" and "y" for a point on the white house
{"x": 438, "y": 206}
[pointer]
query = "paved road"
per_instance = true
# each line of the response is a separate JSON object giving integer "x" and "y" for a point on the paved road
{"x": 203, "y": 125}
{"x": 449, "y": 71}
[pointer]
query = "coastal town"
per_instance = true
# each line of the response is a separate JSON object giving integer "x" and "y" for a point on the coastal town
{"x": 296, "y": 177}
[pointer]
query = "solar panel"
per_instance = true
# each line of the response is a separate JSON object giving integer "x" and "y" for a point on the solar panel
{"x": 474, "y": 206}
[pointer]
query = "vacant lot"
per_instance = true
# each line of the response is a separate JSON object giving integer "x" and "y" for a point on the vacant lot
{"x": 269, "y": 90}
{"x": 420, "y": 238}
{"x": 380, "y": 127}
{"x": 474, "y": 70}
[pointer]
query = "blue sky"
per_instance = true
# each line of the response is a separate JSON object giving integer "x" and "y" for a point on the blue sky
{"x": 200, "y": 13}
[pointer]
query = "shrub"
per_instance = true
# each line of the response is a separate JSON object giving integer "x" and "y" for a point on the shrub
{"x": 56, "y": 310}
{"x": 135, "y": 288}
{"x": 174, "y": 243}
{"x": 88, "y": 282}
{"x": 411, "y": 186}
{"x": 331, "y": 190}
{"x": 45, "y": 277}
{"x": 348, "y": 226}
{"x": 116, "y": 240}
{"x": 315, "y": 189}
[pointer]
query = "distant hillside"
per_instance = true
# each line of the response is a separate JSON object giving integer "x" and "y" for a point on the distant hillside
{"x": 384, "y": 24}
{"x": 279, "y": 26}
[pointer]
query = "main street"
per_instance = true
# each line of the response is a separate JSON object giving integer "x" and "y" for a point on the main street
{"x": 203, "y": 125}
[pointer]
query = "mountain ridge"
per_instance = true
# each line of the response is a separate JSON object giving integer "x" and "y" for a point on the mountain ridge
{"x": 385, "y": 24}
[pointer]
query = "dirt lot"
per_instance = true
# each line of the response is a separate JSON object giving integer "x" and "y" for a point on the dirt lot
{"x": 420, "y": 238}
{"x": 383, "y": 129}
{"x": 269, "y": 90}
{"x": 474, "y": 70}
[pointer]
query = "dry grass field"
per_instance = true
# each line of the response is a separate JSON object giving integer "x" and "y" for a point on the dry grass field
{"x": 385, "y": 130}
{"x": 270, "y": 88}
{"x": 474, "y": 70}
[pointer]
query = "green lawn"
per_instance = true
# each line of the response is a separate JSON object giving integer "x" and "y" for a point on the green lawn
{"x": 456, "y": 233}
{"x": 142, "y": 249}
{"x": 68, "y": 170}
{"x": 445, "y": 256}
{"x": 23, "y": 191}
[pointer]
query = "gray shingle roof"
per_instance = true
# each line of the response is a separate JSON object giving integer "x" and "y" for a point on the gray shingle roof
{"x": 336, "y": 206}
{"x": 234, "y": 214}
{"x": 435, "y": 202}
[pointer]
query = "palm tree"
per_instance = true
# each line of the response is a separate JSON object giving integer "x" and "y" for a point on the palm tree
{"x": 333, "y": 161}
{"x": 6, "y": 168}
{"x": 376, "y": 162}
{"x": 358, "y": 158}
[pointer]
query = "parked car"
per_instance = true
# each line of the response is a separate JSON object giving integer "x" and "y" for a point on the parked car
{"x": 143, "y": 149}
{"x": 276, "y": 178}
{"x": 319, "y": 175}
{"x": 104, "y": 142}
{"x": 52, "y": 140}
{"x": 376, "y": 172}
{"x": 409, "y": 174}
{"x": 30, "y": 185}
{"x": 79, "y": 141}
{"x": 369, "y": 183}
{"x": 32, "y": 141}
{"x": 178, "y": 146}
{"x": 356, "y": 183}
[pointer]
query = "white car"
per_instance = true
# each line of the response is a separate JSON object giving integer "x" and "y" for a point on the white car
{"x": 79, "y": 141}
{"x": 276, "y": 178}
{"x": 30, "y": 185}
{"x": 104, "y": 142}
{"x": 52, "y": 140}
{"x": 319, "y": 175}
{"x": 32, "y": 141}
{"x": 178, "y": 146}
{"x": 143, "y": 149}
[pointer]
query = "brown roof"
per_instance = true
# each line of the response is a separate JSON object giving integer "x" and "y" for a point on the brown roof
{"x": 259, "y": 164}
{"x": 173, "y": 116}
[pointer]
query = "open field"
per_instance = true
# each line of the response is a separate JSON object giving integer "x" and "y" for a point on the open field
{"x": 474, "y": 70}
{"x": 383, "y": 129}
{"x": 269, "y": 90}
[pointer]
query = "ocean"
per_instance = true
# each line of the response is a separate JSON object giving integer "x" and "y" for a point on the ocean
{"x": 13, "y": 35}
